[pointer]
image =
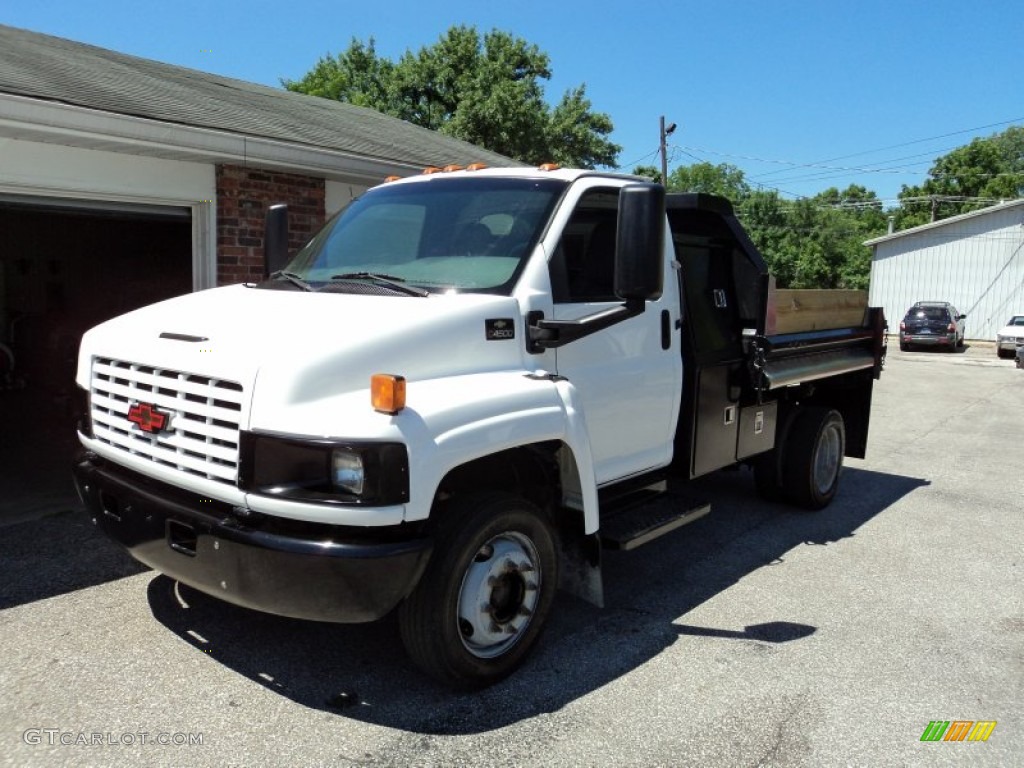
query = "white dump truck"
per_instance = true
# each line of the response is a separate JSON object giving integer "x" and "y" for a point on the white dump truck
{"x": 455, "y": 395}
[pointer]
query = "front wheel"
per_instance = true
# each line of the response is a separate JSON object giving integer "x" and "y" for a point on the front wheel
{"x": 814, "y": 457}
{"x": 486, "y": 593}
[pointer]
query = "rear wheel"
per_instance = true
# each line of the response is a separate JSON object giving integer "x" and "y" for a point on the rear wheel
{"x": 486, "y": 593}
{"x": 814, "y": 457}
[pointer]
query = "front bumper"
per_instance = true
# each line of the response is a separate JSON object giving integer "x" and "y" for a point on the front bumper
{"x": 1009, "y": 344}
{"x": 318, "y": 572}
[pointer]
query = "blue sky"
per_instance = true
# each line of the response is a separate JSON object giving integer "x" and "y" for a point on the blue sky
{"x": 800, "y": 95}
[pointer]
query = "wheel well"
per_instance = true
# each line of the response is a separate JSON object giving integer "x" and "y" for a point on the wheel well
{"x": 850, "y": 394}
{"x": 546, "y": 475}
{"x": 530, "y": 471}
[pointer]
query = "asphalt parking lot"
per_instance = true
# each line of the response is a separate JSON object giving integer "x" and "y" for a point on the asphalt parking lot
{"x": 757, "y": 636}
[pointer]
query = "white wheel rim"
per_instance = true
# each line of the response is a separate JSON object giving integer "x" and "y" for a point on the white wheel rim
{"x": 827, "y": 459}
{"x": 499, "y": 594}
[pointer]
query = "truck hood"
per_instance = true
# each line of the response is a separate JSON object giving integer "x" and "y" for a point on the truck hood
{"x": 293, "y": 347}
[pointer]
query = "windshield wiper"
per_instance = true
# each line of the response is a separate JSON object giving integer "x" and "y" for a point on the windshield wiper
{"x": 391, "y": 281}
{"x": 292, "y": 278}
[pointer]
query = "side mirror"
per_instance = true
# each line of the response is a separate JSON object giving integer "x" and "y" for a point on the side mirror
{"x": 275, "y": 239}
{"x": 961, "y": 317}
{"x": 639, "y": 262}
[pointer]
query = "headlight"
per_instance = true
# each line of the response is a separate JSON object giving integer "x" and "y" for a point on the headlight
{"x": 347, "y": 471}
{"x": 1000, "y": 337}
{"x": 323, "y": 470}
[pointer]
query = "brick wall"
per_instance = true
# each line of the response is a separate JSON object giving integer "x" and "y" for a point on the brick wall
{"x": 243, "y": 196}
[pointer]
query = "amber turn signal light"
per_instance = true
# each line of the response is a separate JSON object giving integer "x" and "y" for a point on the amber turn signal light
{"x": 387, "y": 392}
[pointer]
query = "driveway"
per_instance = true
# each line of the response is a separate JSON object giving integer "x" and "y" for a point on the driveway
{"x": 757, "y": 636}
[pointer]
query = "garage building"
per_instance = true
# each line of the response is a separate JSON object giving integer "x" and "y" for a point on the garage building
{"x": 124, "y": 181}
{"x": 974, "y": 261}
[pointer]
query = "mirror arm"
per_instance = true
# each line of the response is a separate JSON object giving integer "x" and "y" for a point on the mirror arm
{"x": 548, "y": 334}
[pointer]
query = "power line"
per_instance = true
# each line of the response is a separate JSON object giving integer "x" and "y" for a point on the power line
{"x": 915, "y": 141}
{"x": 832, "y": 172}
{"x": 637, "y": 162}
{"x": 793, "y": 164}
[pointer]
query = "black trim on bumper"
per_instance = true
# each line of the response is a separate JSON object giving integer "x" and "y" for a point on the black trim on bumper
{"x": 333, "y": 575}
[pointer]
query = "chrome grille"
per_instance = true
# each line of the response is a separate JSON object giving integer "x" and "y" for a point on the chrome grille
{"x": 205, "y": 417}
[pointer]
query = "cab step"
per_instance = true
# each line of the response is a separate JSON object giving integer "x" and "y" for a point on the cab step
{"x": 636, "y": 525}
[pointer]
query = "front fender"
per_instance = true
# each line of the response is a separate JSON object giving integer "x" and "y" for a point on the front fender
{"x": 452, "y": 421}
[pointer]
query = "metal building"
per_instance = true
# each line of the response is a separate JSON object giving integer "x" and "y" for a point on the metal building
{"x": 974, "y": 261}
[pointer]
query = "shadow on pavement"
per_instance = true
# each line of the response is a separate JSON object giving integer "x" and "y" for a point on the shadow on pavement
{"x": 53, "y": 555}
{"x": 362, "y": 672}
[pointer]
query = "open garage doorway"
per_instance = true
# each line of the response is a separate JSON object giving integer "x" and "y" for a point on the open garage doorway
{"x": 64, "y": 267}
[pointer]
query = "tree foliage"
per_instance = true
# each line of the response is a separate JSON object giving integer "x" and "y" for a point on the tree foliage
{"x": 817, "y": 242}
{"x": 724, "y": 179}
{"x": 486, "y": 89}
{"x": 808, "y": 243}
{"x": 970, "y": 177}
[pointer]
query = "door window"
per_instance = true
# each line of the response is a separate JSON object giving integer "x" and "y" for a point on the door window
{"x": 583, "y": 267}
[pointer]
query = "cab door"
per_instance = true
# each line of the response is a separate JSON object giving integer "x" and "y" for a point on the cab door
{"x": 628, "y": 376}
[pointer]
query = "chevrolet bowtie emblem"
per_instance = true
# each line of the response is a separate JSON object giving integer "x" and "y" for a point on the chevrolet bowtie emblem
{"x": 148, "y": 418}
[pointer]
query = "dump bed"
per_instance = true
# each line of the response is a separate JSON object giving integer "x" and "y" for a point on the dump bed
{"x": 747, "y": 344}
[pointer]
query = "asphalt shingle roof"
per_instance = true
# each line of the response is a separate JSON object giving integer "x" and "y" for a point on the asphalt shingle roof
{"x": 54, "y": 69}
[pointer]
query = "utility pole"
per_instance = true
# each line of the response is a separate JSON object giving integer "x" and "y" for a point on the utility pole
{"x": 665, "y": 132}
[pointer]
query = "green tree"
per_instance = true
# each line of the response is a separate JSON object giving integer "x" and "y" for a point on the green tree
{"x": 357, "y": 76}
{"x": 808, "y": 243}
{"x": 486, "y": 89}
{"x": 649, "y": 172}
{"x": 722, "y": 179}
{"x": 815, "y": 242}
{"x": 970, "y": 177}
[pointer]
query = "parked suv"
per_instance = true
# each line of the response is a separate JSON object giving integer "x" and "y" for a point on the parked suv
{"x": 1010, "y": 336}
{"x": 932, "y": 324}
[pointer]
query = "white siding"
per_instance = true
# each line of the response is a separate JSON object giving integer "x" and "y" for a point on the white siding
{"x": 975, "y": 262}
{"x": 76, "y": 172}
{"x": 337, "y": 195}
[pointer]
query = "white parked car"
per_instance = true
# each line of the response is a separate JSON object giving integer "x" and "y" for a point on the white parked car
{"x": 1010, "y": 336}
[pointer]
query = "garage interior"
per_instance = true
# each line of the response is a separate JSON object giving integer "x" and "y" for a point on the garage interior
{"x": 64, "y": 267}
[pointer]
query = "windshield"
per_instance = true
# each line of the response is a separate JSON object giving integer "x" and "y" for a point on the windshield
{"x": 442, "y": 235}
{"x": 1016, "y": 320}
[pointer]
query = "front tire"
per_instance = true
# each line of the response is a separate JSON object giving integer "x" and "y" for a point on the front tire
{"x": 482, "y": 602}
{"x": 814, "y": 457}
